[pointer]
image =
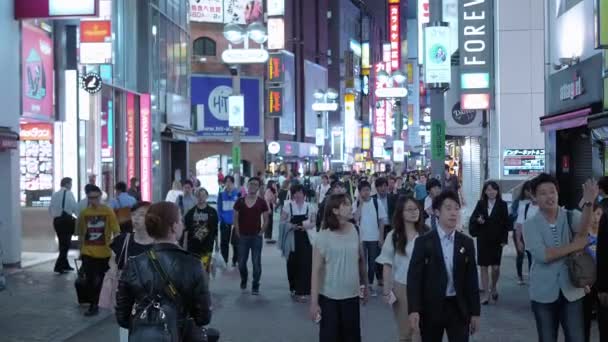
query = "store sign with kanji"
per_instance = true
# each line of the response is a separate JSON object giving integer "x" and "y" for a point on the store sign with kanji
{"x": 395, "y": 34}
{"x": 275, "y": 102}
{"x": 276, "y": 68}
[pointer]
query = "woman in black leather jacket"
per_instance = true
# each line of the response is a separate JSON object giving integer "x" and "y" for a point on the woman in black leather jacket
{"x": 139, "y": 279}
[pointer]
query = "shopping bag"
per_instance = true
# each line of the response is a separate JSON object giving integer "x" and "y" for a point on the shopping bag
{"x": 107, "y": 296}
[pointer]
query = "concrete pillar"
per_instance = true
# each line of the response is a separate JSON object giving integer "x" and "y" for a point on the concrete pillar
{"x": 10, "y": 97}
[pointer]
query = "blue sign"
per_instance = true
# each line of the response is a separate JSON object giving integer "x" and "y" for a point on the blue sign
{"x": 212, "y": 93}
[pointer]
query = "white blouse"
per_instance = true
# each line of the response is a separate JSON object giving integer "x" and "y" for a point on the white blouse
{"x": 399, "y": 262}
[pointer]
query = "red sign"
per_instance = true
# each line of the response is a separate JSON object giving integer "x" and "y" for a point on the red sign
{"x": 36, "y": 131}
{"x": 394, "y": 17}
{"x": 475, "y": 101}
{"x": 145, "y": 146}
{"x": 130, "y": 135}
{"x": 276, "y": 68}
{"x": 37, "y": 72}
{"x": 275, "y": 102}
{"x": 95, "y": 31}
{"x": 55, "y": 8}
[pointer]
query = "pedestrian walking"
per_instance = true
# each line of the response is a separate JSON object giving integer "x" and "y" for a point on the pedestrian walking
{"x": 283, "y": 193}
{"x": 298, "y": 216}
{"x": 323, "y": 188}
{"x": 395, "y": 257}
{"x": 97, "y": 225}
{"x": 134, "y": 189}
{"x": 551, "y": 236}
{"x": 337, "y": 187}
{"x": 271, "y": 200}
{"x": 527, "y": 208}
{"x": 601, "y": 284}
{"x": 200, "y": 229}
{"x": 175, "y": 192}
{"x": 370, "y": 215}
{"x": 338, "y": 274}
{"x": 591, "y": 304}
{"x": 249, "y": 213}
{"x": 442, "y": 283}
{"x": 125, "y": 246}
{"x": 433, "y": 188}
{"x": 489, "y": 223}
{"x": 420, "y": 188}
{"x": 225, "y": 208}
{"x": 186, "y": 200}
{"x": 163, "y": 294}
{"x": 63, "y": 209}
{"x": 122, "y": 205}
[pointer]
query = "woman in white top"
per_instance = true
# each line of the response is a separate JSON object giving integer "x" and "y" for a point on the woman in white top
{"x": 527, "y": 209}
{"x": 338, "y": 271}
{"x": 175, "y": 192}
{"x": 408, "y": 224}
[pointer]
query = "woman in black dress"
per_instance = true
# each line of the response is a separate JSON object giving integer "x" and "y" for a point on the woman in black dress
{"x": 490, "y": 224}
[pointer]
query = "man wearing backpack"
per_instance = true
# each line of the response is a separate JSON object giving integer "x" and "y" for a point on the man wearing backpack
{"x": 370, "y": 215}
{"x": 552, "y": 236}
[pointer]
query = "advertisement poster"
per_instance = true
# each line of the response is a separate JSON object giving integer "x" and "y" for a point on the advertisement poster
{"x": 527, "y": 162}
{"x": 212, "y": 92}
{"x": 36, "y": 164}
{"x": 145, "y": 147}
{"x": 315, "y": 77}
{"x": 243, "y": 11}
{"x": 287, "y": 124}
{"x": 37, "y": 72}
{"x": 437, "y": 62}
{"x": 207, "y": 11}
{"x": 130, "y": 135}
{"x": 107, "y": 129}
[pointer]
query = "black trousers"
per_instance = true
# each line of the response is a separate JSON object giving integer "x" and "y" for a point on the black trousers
{"x": 227, "y": 238}
{"x": 340, "y": 320}
{"x": 299, "y": 265}
{"x": 268, "y": 232}
{"x": 590, "y": 305}
{"x": 64, "y": 228}
{"x": 450, "y": 321}
{"x": 94, "y": 270}
{"x": 519, "y": 260}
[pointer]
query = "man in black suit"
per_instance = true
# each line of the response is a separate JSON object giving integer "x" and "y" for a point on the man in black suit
{"x": 442, "y": 283}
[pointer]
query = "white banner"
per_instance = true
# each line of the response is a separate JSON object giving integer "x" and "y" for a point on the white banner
{"x": 437, "y": 61}
{"x": 236, "y": 111}
{"x": 207, "y": 11}
{"x": 398, "y": 151}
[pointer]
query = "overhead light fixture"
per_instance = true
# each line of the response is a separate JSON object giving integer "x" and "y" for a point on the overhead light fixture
{"x": 257, "y": 32}
{"x": 319, "y": 94}
{"x": 234, "y": 33}
{"x": 398, "y": 76}
{"x": 332, "y": 94}
{"x": 382, "y": 76}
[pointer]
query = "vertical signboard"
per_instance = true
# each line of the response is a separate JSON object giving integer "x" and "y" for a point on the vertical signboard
{"x": 380, "y": 108}
{"x": 349, "y": 120}
{"x": 438, "y": 139}
{"x": 145, "y": 147}
{"x": 37, "y": 72}
{"x": 476, "y": 46}
{"x": 274, "y": 108}
{"x": 437, "y": 66}
{"x": 130, "y": 135}
{"x": 276, "y": 33}
{"x": 394, "y": 20}
{"x": 424, "y": 16}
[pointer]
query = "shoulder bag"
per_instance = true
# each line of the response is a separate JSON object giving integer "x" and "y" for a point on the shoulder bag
{"x": 581, "y": 266}
{"x": 107, "y": 296}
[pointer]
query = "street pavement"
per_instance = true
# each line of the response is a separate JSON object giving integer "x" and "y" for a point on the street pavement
{"x": 41, "y": 306}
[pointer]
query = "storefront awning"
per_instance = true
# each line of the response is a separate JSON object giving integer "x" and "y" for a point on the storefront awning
{"x": 9, "y": 139}
{"x": 564, "y": 121}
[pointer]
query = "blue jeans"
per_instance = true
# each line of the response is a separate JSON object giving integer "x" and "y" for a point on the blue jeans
{"x": 371, "y": 250}
{"x": 253, "y": 243}
{"x": 561, "y": 312}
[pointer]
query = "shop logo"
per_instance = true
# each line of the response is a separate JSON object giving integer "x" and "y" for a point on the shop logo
{"x": 463, "y": 116}
{"x": 274, "y": 147}
{"x": 35, "y": 132}
{"x": 218, "y": 102}
{"x": 91, "y": 82}
{"x": 572, "y": 90}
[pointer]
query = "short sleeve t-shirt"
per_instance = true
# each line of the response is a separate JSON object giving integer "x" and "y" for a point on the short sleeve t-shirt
{"x": 250, "y": 218}
{"x": 340, "y": 264}
{"x": 133, "y": 248}
{"x": 97, "y": 226}
{"x": 369, "y": 220}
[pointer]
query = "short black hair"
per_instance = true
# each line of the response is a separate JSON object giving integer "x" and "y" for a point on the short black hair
{"x": 91, "y": 188}
{"x": 336, "y": 183}
{"x": 189, "y": 182}
{"x": 543, "y": 178}
{"x": 432, "y": 183}
{"x": 447, "y": 167}
{"x": 444, "y": 196}
{"x": 297, "y": 188}
{"x": 257, "y": 179}
{"x": 364, "y": 184}
{"x": 140, "y": 205}
{"x": 602, "y": 183}
{"x": 65, "y": 181}
{"x": 121, "y": 186}
{"x": 381, "y": 181}
{"x": 228, "y": 178}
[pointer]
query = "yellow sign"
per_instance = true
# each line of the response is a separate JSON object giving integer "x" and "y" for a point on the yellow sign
{"x": 602, "y": 24}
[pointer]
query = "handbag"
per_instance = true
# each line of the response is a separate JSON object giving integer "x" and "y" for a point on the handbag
{"x": 581, "y": 266}
{"x": 107, "y": 296}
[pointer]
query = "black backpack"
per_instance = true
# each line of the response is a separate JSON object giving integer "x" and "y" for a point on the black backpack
{"x": 155, "y": 318}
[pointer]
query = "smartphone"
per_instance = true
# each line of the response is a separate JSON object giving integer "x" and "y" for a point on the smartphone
{"x": 318, "y": 318}
{"x": 392, "y": 299}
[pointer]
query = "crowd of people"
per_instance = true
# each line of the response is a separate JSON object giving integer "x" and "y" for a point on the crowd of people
{"x": 345, "y": 237}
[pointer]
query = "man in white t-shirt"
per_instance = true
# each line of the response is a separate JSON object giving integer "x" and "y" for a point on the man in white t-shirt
{"x": 371, "y": 217}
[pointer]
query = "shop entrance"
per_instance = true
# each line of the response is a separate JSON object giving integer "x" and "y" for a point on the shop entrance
{"x": 207, "y": 170}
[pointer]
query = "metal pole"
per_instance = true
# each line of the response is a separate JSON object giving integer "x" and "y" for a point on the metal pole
{"x": 320, "y": 116}
{"x": 236, "y": 131}
{"x": 398, "y": 129}
{"x": 437, "y": 100}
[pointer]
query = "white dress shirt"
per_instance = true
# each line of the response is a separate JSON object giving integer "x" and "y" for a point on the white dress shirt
{"x": 447, "y": 247}
{"x": 57, "y": 206}
{"x": 400, "y": 263}
{"x": 491, "y": 207}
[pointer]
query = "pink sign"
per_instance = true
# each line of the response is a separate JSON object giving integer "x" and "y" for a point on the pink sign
{"x": 394, "y": 18}
{"x": 145, "y": 147}
{"x": 130, "y": 135}
{"x": 37, "y": 72}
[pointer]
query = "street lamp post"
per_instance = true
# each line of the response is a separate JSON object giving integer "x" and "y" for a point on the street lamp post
{"x": 325, "y": 102}
{"x": 236, "y": 35}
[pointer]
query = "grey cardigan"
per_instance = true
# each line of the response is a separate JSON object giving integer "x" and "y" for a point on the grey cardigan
{"x": 547, "y": 279}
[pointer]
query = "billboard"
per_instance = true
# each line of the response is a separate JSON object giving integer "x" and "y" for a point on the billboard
{"x": 145, "y": 146}
{"x": 315, "y": 77}
{"x": 437, "y": 62}
{"x": 207, "y": 11}
{"x": 287, "y": 123}
{"x": 55, "y": 8}
{"x": 212, "y": 92}
{"x": 37, "y": 72}
{"x": 226, "y": 11}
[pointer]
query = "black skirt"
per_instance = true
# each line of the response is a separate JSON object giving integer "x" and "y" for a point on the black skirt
{"x": 489, "y": 252}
